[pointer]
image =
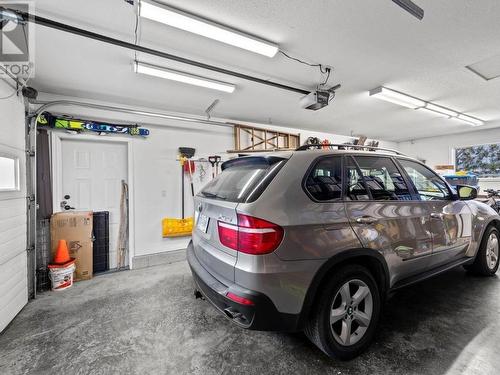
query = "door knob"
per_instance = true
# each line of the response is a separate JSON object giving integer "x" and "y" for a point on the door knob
{"x": 365, "y": 220}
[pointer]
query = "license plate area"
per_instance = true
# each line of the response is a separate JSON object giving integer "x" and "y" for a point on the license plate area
{"x": 202, "y": 223}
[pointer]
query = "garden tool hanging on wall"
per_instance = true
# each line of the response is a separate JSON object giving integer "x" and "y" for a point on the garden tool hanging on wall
{"x": 214, "y": 160}
{"x": 172, "y": 227}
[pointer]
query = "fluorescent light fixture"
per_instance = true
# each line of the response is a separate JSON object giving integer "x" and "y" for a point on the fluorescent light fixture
{"x": 441, "y": 110}
{"x": 435, "y": 113}
{"x": 470, "y": 120}
{"x": 408, "y": 101}
{"x": 183, "y": 77}
{"x": 396, "y": 97}
{"x": 196, "y": 25}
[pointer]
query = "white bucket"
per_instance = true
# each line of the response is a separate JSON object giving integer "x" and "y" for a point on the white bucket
{"x": 61, "y": 277}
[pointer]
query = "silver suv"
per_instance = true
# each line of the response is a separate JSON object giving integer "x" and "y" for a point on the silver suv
{"x": 315, "y": 240}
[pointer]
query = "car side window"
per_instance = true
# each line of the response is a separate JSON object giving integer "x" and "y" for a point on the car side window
{"x": 382, "y": 178}
{"x": 324, "y": 182}
{"x": 355, "y": 186}
{"x": 428, "y": 184}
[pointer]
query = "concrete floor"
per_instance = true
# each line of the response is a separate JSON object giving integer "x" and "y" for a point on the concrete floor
{"x": 148, "y": 322}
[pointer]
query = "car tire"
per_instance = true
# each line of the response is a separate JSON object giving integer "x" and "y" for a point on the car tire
{"x": 348, "y": 336}
{"x": 487, "y": 257}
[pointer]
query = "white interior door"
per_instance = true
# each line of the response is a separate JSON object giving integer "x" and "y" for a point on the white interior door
{"x": 91, "y": 175}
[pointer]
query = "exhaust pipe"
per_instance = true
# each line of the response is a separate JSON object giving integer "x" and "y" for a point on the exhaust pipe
{"x": 232, "y": 314}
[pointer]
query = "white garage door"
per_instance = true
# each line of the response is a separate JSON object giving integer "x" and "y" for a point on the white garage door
{"x": 13, "y": 257}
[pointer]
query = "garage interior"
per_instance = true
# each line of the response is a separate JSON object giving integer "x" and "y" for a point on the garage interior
{"x": 116, "y": 113}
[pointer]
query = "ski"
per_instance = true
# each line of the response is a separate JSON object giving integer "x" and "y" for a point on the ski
{"x": 47, "y": 120}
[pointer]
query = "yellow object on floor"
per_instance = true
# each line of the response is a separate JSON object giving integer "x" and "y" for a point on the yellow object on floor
{"x": 177, "y": 227}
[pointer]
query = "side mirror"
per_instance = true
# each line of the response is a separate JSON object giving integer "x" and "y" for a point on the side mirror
{"x": 466, "y": 193}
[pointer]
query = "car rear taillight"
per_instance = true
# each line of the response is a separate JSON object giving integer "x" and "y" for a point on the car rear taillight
{"x": 251, "y": 235}
{"x": 239, "y": 299}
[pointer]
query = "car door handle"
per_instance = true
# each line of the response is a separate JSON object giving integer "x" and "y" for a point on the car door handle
{"x": 365, "y": 220}
{"x": 436, "y": 215}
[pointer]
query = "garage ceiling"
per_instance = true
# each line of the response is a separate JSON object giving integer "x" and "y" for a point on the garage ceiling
{"x": 370, "y": 43}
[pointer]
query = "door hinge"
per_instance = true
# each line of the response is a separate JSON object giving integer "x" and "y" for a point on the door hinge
{"x": 30, "y": 249}
{"x": 31, "y": 198}
{"x": 30, "y": 153}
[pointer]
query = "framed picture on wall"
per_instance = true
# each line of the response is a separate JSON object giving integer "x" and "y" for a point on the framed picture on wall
{"x": 482, "y": 160}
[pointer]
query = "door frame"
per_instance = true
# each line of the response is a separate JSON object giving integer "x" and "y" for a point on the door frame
{"x": 56, "y": 139}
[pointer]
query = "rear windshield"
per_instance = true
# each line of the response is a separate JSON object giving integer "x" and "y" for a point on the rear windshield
{"x": 244, "y": 179}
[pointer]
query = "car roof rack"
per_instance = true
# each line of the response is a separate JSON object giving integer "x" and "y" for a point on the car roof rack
{"x": 343, "y": 146}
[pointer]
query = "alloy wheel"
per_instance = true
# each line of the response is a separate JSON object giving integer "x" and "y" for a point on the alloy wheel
{"x": 351, "y": 312}
{"x": 492, "y": 250}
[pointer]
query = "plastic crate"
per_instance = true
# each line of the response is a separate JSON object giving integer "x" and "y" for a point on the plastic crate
{"x": 100, "y": 233}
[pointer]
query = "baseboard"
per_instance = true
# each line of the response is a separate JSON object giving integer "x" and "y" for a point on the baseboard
{"x": 156, "y": 259}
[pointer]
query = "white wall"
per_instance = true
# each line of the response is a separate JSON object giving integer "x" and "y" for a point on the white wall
{"x": 157, "y": 173}
{"x": 440, "y": 150}
{"x": 13, "y": 257}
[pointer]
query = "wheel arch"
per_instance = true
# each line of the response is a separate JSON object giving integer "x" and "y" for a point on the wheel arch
{"x": 495, "y": 222}
{"x": 371, "y": 259}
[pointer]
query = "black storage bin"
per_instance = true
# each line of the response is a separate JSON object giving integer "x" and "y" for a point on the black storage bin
{"x": 101, "y": 241}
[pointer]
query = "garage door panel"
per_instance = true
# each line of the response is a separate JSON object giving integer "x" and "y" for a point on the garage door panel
{"x": 14, "y": 228}
{"x": 12, "y": 249}
{"x": 12, "y": 208}
{"x": 14, "y": 292}
{"x": 11, "y": 273}
{"x": 19, "y": 300}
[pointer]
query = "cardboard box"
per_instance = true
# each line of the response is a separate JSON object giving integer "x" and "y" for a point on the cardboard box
{"x": 76, "y": 229}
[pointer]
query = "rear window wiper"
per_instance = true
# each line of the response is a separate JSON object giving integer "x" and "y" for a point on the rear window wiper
{"x": 213, "y": 195}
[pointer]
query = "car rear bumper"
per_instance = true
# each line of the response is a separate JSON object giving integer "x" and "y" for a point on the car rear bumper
{"x": 262, "y": 315}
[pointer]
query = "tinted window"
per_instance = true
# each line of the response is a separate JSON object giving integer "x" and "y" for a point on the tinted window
{"x": 382, "y": 178}
{"x": 355, "y": 186}
{"x": 324, "y": 182}
{"x": 429, "y": 185}
{"x": 243, "y": 179}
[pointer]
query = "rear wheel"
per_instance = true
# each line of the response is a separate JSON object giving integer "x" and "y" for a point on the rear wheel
{"x": 487, "y": 258}
{"x": 347, "y": 313}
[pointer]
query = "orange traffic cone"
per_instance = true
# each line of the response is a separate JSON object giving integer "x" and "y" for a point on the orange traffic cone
{"x": 62, "y": 253}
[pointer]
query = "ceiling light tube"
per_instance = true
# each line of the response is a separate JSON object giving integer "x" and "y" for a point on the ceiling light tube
{"x": 193, "y": 24}
{"x": 470, "y": 120}
{"x": 396, "y": 97}
{"x": 441, "y": 110}
{"x": 175, "y": 75}
{"x": 408, "y": 101}
{"x": 435, "y": 113}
